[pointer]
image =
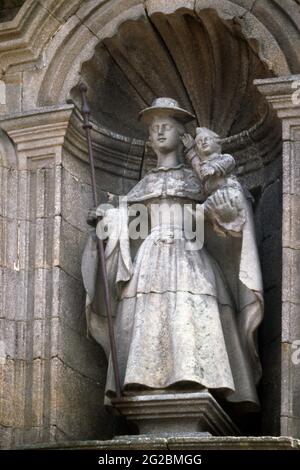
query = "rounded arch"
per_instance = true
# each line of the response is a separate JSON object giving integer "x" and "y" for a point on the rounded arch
{"x": 103, "y": 21}
{"x": 79, "y": 36}
{"x": 101, "y": 46}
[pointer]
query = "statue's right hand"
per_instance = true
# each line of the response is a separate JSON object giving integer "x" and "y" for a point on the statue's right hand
{"x": 92, "y": 217}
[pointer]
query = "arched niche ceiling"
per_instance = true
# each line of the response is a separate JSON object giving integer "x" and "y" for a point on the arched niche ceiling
{"x": 201, "y": 60}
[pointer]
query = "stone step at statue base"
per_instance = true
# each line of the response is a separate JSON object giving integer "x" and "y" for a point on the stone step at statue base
{"x": 169, "y": 414}
{"x": 175, "y": 443}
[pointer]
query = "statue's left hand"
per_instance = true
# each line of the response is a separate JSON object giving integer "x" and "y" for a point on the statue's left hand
{"x": 221, "y": 206}
{"x": 225, "y": 209}
{"x": 226, "y": 212}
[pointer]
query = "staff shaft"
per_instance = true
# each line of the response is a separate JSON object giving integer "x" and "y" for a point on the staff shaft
{"x": 100, "y": 246}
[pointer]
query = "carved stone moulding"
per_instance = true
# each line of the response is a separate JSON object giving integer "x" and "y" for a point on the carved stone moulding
{"x": 176, "y": 413}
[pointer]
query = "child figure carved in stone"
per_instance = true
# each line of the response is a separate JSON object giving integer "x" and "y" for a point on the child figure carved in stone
{"x": 224, "y": 194}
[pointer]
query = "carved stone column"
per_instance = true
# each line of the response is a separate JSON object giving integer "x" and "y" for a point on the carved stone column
{"x": 53, "y": 369}
{"x": 283, "y": 95}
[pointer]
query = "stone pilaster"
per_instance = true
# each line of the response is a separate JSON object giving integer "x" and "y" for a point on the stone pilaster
{"x": 52, "y": 381}
{"x": 282, "y": 94}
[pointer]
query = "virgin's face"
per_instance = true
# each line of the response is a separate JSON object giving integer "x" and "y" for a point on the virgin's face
{"x": 207, "y": 144}
{"x": 164, "y": 134}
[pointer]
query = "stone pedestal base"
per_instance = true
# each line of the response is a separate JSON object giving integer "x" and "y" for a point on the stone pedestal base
{"x": 175, "y": 443}
{"x": 176, "y": 414}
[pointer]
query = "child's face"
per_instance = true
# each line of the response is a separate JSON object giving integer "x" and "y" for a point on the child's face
{"x": 207, "y": 144}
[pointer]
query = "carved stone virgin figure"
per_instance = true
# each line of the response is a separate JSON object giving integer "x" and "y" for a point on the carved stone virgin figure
{"x": 185, "y": 319}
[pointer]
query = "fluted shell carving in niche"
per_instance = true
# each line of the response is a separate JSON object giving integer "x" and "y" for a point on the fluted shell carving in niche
{"x": 202, "y": 61}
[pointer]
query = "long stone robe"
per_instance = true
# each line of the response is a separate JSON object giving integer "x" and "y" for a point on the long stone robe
{"x": 184, "y": 319}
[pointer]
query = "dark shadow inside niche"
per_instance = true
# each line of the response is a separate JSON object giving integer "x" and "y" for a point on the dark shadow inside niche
{"x": 207, "y": 65}
{"x": 9, "y": 9}
{"x": 201, "y": 61}
{"x": 268, "y": 219}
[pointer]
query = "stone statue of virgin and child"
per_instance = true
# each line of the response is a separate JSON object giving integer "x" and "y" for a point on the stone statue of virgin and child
{"x": 185, "y": 319}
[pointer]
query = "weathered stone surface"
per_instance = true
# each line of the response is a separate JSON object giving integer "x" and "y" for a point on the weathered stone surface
{"x": 180, "y": 443}
{"x": 166, "y": 7}
{"x": 290, "y": 322}
{"x": 105, "y": 22}
{"x": 234, "y": 443}
{"x": 13, "y": 307}
{"x": 290, "y": 275}
{"x": 13, "y": 246}
{"x": 227, "y": 10}
{"x": 261, "y": 11}
{"x": 71, "y": 248}
{"x": 291, "y": 183}
{"x": 6, "y": 434}
{"x": 76, "y": 200}
{"x": 290, "y": 380}
{"x": 80, "y": 171}
{"x": 11, "y": 401}
{"x": 168, "y": 414}
{"x": 45, "y": 183}
{"x": 13, "y": 93}
{"x": 37, "y": 434}
{"x": 287, "y": 379}
{"x": 40, "y": 302}
{"x": 36, "y": 407}
{"x": 28, "y": 435}
{"x": 291, "y": 221}
{"x": 290, "y": 425}
{"x": 13, "y": 338}
{"x": 89, "y": 360}
{"x": 71, "y": 306}
{"x": 9, "y": 184}
{"x": 71, "y": 390}
{"x": 61, "y": 10}
{"x": 55, "y": 434}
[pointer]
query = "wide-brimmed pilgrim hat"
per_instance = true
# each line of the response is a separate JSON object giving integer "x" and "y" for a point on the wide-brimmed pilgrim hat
{"x": 165, "y": 107}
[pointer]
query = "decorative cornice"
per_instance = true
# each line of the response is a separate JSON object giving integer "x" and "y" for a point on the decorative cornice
{"x": 39, "y": 135}
{"x": 282, "y": 93}
{"x": 49, "y": 122}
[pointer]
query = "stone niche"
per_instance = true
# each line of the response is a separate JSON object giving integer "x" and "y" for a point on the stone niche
{"x": 206, "y": 64}
{"x": 205, "y": 54}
